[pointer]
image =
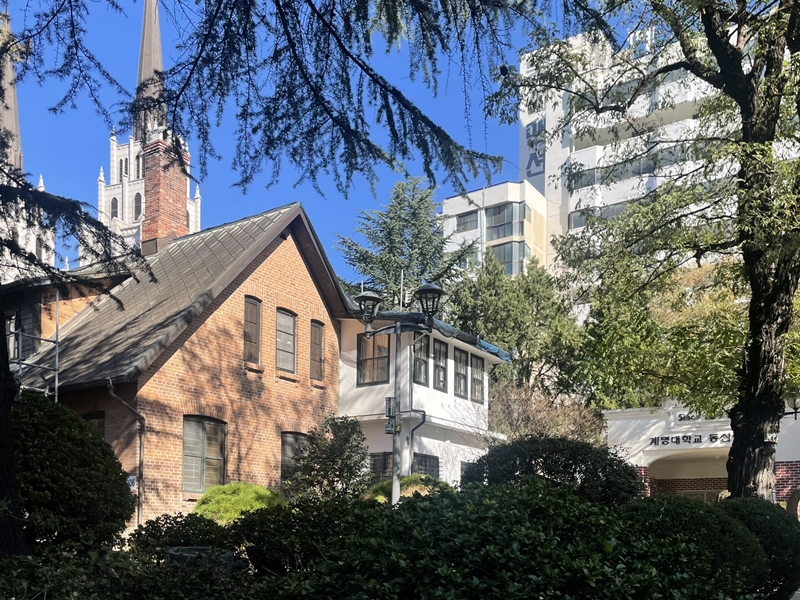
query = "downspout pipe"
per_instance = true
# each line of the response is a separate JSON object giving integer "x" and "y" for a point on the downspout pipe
{"x": 141, "y": 420}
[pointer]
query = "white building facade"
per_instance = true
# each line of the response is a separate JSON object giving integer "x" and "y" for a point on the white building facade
{"x": 679, "y": 452}
{"x": 508, "y": 219}
{"x": 444, "y": 400}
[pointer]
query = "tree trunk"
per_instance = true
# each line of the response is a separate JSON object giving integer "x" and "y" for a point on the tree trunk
{"x": 12, "y": 536}
{"x": 756, "y": 418}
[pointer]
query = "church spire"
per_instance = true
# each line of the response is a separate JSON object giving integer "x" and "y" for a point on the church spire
{"x": 150, "y": 67}
{"x": 9, "y": 108}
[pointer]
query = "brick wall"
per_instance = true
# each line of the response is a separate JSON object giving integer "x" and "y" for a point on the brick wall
{"x": 203, "y": 373}
{"x": 165, "y": 193}
{"x": 787, "y": 475}
{"x": 673, "y": 486}
{"x": 644, "y": 473}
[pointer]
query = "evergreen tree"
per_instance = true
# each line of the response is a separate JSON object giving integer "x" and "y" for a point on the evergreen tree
{"x": 526, "y": 315}
{"x": 404, "y": 242}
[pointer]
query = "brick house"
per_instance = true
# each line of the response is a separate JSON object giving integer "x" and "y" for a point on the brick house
{"x": 228, "y": 355}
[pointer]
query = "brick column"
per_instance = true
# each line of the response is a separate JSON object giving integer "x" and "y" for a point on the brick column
{"x": 644, "y": 473}
{"x": 165, "y": 196}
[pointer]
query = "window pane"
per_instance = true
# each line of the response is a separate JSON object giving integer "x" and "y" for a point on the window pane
{"x": 252, "y": 330}
{"x": 461, "y": 368}
{"x": 426, "y": 464}
{"x": 191, "y": 473}
{"x": 214, "y": 474}
{"x": 290, "y": 442}
{"x": 193, "y": 438}
{"x": 439, "y": 365}
{"x": 421, "y": 351}
{"x": 476, "y": 393}
{"x": 284, "y": 342}
{"x": 372, "y": 359}
{"x": 316, "y": 351}
{"x": 467, "y": 221}
{"x": 214, "y": 440}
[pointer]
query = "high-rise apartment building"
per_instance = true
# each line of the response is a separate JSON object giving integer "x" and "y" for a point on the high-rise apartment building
{"x": 508, "y": 219}
{"x": 615, "y": 163}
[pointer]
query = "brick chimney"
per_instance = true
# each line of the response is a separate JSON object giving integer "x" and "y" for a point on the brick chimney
{"x": 166, "y": 194}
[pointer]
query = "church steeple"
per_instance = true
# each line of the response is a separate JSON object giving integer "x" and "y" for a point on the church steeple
{"x": 150, "y": 67}
{"x": 9, "y": 108}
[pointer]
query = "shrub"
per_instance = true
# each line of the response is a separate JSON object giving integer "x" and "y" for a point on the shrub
{"x": 595, "y": 473}
{"x": 152, "y": 540}
{"x": 779, "y": 536}
{"x": 226, "y": 503}
{"x": 719, "y": 551}
{"x": 71, "y": 484}
{"x": 290, "y": 538}
{"x": 498, "y": 543}
{"x": 331, "y": 462}
{"x": 409, "y": 485}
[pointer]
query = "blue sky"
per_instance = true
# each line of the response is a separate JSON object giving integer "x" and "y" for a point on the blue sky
{"x": 69, "y": 148}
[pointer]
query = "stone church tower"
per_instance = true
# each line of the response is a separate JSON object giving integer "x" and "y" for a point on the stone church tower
{"x": 32, "y": 239}
{"x": 146, "y": 198}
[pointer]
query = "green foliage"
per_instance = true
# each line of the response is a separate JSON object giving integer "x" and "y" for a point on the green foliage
{"x": 226, "y": 503}
{"x": 331, "y": 462}
{"x": 409, "y": 485}
{"x": 406, "y": 237}
{"x": 502, "y": 543}
{"x": 292, "y": 538}
{"x": 722, "y": 552}
{"x": 113, "y": 576}
{"x": 778, "y": 533}
{"x": 72, "y": 486}
{"x": 151, "y": 541}
{"x": 490, "y": 543}
{"x": 525, "y": 314}
{"x": 594, "y": 473}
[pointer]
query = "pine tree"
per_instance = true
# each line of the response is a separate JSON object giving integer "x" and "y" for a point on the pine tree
{"x": 404, "y": 242}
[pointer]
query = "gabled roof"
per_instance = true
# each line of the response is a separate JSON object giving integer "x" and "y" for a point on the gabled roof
{"x": 104, "y": 342}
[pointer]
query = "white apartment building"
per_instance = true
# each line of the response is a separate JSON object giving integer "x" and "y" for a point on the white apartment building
{"x": 600, "y": 183}
{"x": 508, "y": 219}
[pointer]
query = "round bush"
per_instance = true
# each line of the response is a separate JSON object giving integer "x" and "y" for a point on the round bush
{"x": 779, "y": 536}
{"x": 152, "y": 540}
{"x": 594, "y": 472}
{"x": 409, "y": 485}
{"x": 226, "y": 503}
{"x": 719, "y": 551}
{"x": 72, "y": 487}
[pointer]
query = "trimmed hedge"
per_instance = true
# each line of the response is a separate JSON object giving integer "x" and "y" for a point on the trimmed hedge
{"x": 226, "y": 503}
{"x": 715, "y": 550}
{"x": 71, "y": 484}
{"x": 778, "y": 533}
{"x": 595, "y": 473}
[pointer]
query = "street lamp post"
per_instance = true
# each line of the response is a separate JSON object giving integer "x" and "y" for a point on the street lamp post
{"x": 369, "y": 302}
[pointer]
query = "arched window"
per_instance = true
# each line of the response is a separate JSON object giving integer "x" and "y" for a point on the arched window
{"x": 39, "y": 250}
{"x": 126, "y": 167}
{"x": 138, "y": 167}
{"x": 114, "y": 208}
{"x": 120, "y": 170}
{"x": 137, "y": 204}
